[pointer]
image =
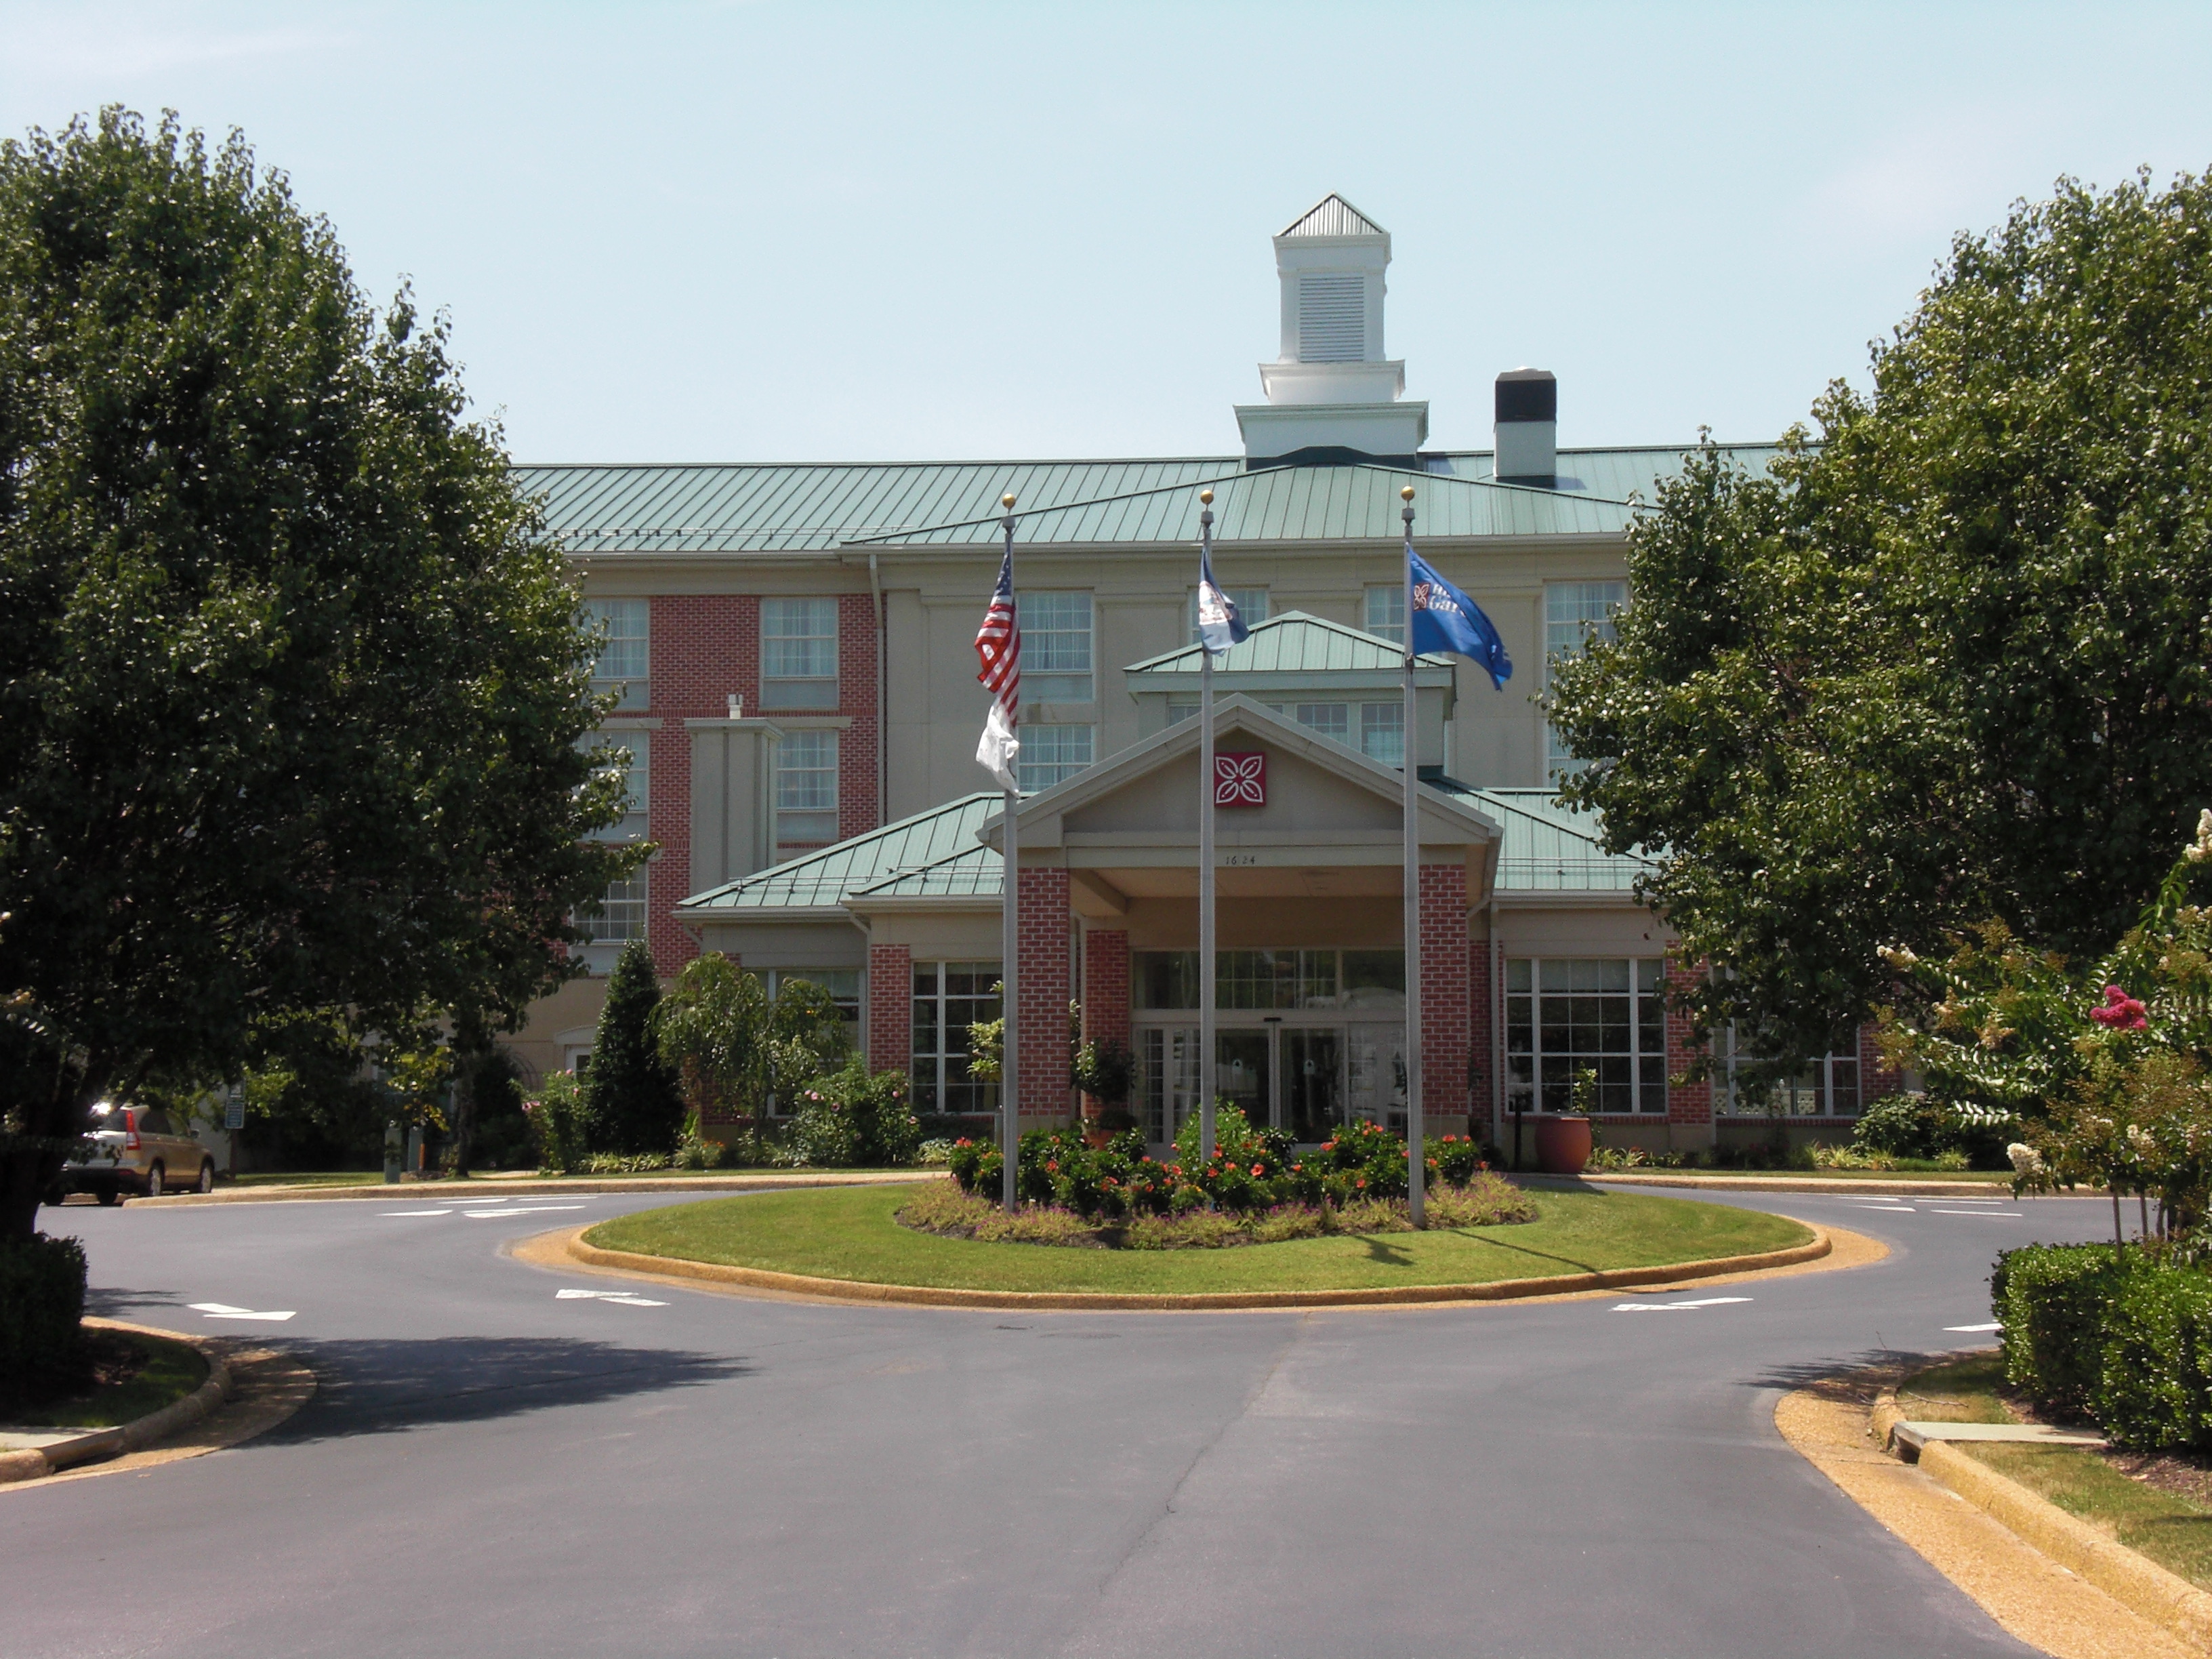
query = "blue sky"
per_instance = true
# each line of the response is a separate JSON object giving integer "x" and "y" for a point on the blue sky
{"x": 684, "y": 232}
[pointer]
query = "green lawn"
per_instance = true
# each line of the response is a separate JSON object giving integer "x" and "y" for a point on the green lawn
{"x": 1996, "y": 1177}
{"x": 162, "y": 1370}
{"x": 849, "y": 1233}
{"x": 316, "y": 1178}
{"x": 2165, "y": 1525}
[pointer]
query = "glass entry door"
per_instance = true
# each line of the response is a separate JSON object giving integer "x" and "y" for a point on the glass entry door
{"x": 1241, "y": 1076}
{"x": 1313, "y": 1082}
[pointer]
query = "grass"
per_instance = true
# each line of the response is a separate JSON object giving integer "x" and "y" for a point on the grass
{"x": 1992, "y": 1176}
{"x": 317, "y": 1178}
{"x": 849, "y": 1233}
{"x": 2168, "y": 1527}
{"x": 133, "y": 1375}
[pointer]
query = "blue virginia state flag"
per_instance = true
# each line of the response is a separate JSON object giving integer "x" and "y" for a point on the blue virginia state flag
{"x": 1219, "y": 627}
{"x": 1445, "y": 619}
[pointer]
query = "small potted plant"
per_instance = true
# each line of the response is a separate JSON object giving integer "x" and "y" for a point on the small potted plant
{"x": 1564, "y": 1139}
{"x": 1105, "y": 1069}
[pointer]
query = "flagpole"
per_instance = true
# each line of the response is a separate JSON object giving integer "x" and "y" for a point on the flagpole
{"x": 1415, "y": 1164}
{"x": 1010, "y": 1096}
{"x": 1206, "y": 790}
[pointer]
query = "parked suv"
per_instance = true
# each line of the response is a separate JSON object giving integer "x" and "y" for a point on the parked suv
{"x": 137, "y": 1149}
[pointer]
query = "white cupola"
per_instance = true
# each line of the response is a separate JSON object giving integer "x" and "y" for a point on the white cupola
{"x": 1332, "y": 396}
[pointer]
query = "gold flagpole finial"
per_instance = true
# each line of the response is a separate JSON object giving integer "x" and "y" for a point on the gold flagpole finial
{"x": 1406, "y": 494}
{"x": 1206, "y": 498}
{"x": 1007, "y": 501}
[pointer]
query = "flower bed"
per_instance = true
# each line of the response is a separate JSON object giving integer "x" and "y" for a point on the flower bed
{"x": 1252, "y": 1191}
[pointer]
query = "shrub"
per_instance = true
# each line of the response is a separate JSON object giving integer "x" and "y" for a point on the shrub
{"x": 934, "y": 1154}
{"x": 2051, "y": 1299}
{"x": 41, "y": 1308}
{"x": 635, "y": 1104}
{"x": 2154, "y": 1389}
{"x": 1900, "y": 1126}
{"x": 884, "y": 1129}
{"x": 820, "y": 1137}
{"x": 1104, "y": 1070}
{"x": 559, "y": 1124}
{"x": 1454, "y": 1159}
{"x": 615, "y": 1164}
{"x": 977, "y": 1165}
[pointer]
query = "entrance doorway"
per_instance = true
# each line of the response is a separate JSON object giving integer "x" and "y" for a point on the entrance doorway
{"x": 1307, "y": 1078}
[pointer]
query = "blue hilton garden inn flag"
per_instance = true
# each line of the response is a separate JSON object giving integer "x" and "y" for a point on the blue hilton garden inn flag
{"x": 1219, "y": 627}
{"x": 1445, "y": 619}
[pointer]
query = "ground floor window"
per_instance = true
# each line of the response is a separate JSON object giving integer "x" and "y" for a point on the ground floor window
{"x": 1565, "y": 1015}
{"x": 1366, "y": 979}
{"x": 1828, "y": 1087}
{"x": 949, "y": 997}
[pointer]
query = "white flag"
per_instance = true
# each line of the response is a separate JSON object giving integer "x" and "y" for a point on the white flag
{"x": 995, "y": 753}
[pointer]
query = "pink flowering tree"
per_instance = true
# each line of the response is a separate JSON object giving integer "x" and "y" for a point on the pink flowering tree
{"x": 2110, "y": 1070}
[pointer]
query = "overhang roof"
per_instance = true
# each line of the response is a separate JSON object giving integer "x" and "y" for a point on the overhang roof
{"x": 1295, "y": 642}
{"x": 821, "y": 879}
{"x": 1551, "y": 849}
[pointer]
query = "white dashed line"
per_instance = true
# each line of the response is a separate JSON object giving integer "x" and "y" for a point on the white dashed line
{"x": 533, "y": 1209}
{"x": 1993, "y": 1325}
{"x": 415, "y": 1212}
{"x": 2001, "y": 1215}
{"x": 224, "y": 1310}
{"x": 622, "y": 1297}
{"x": 1670, "y": 1307}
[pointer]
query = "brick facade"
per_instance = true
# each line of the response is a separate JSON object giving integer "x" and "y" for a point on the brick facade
{"x": 1877, "y": 1079}
{"x": 858, "y": 808}
{"x": 1687, "y": 1103}
{"x": 891, "y": 1008}
{"x": 1446, "y": 1024}
{"x": 1106, "y": 985}
{"x": 1482, "y": 1037}
{"x": 1045, "y": 992}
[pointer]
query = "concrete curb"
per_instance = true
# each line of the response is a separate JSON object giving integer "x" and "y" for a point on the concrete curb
{"x": 458, "y": 1191}
{"x": 37, "y": 1463}
{"x": 1781, "y": 1183}
{"x": 2136, "y": 1583}
{"x": 929, "y": 1296}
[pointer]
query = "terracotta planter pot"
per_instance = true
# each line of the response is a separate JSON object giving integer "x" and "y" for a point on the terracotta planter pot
{"x": 1095, "y": 1138}
{"x": 1563, "y": 1143}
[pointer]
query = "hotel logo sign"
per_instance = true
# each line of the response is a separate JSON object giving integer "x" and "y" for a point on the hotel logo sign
{"x": 1240, "y": 779}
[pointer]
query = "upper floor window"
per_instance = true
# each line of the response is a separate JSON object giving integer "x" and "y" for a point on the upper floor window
{"x": 1050, "y": 753}
{"x": 1056, "y": 656}
{"x": 805, "y": 790}
{"x": 799, "y": 653}
{"x": 1385, "y": 613}
{"x": 629, "y": 753}
{"x": 616, "y": 919}
{"x": 1251, "y": 605}
{"x": 1574, "y": 613}
{"x": 623, "y": 664}
{"x": 1383, "y": 733}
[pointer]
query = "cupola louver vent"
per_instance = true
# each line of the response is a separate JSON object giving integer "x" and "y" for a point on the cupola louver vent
{"x": 1331, "y": 318}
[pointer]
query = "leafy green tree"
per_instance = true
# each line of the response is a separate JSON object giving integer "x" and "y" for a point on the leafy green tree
{"x": 631, "y": 1090}
{"x": 291, "y": 682}
{"x": 733, "y": 1048}
{"x": 1951, "y": 661}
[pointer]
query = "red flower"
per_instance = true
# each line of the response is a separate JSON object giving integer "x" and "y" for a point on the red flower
{"x": 1257, "y": 1171}
{"x": 2121, "y": 1012}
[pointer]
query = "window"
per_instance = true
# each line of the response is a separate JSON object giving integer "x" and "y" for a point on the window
{"x": 1330, "y": 720}
{"x": 1828, "y": 1087}
{"x": 1574, "y": 612}
{"x": 1564, "y": 1015}
{"x": 1251, "y": 605}
{"x": 948, "y": 997}
{"x": 1056, "y": 647}
{"x": 620, "y": 916}
{"x": 636, "y": 772}
{"x": 1386, "y": 613}
{"x": 799, "y": 653}
{"x": 805, "y": 790}
{"x": 1168, "y": 980}
{"x": 1383, "y": 733}
{"x": 1179, "y": 712}
{"x": 622, "y": 665}
{"x": 1050, "y": 753}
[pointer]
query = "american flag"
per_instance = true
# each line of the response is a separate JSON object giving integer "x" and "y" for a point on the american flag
{"x": 999, "y": 643}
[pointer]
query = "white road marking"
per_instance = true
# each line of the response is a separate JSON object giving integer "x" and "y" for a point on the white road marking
{"x": 1993, "y": 1325}
{"x": 224, "y": 1310}
{"x": 1999, "y": 1214}
{"x": 533, "y": 1209}
{"x": 625, "y": 1297}
{"x": 1885, "y": 1209}
{"x": 1669, "y": 1307}
{"x": 415, "y": 1212}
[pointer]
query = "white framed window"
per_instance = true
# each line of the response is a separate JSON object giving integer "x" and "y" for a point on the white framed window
{"x": 1330, "y": 720}
{"x": 799, "y": 653}
{"x": 619, "y": 917}
{"x": 1056, "y": 655}
{"x": 1385, "y": 613}
{"x": 1383, "y": 733}
{"x": 1050, "y": 753}
{"x": 1827, "y": 1087}
{"x": 805, "y": 790}
{"x": 1574, "y": 613}
{"x": 948, "y": 997}
{"x": 633, "y": 759}
{"x": 624, "y": 664}
{"x": 1179, "y": 712}
{"x": 1251, "y": 605}
{"x": 1567, "y": 1015}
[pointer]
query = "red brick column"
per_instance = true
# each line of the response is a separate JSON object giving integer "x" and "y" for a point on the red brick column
{"x": 1687, "y": 1103}
{"x": 1876, "y": 1078}
{"x": 701, "y": 648}
{"x": 1446, "y": 1029}
{"x": 1106, "y": 985}
{"x": 1482, "y": 1037}
{"x": 1044, "y": 993}
{"x": 858, "y": 808}
{"x": 891, "y": 1008}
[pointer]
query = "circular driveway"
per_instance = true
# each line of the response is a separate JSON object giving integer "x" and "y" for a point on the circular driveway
{"x": 505, "y": 1461}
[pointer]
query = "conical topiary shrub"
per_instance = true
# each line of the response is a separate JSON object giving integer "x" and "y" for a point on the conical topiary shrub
{"x": 635, "y": 1106}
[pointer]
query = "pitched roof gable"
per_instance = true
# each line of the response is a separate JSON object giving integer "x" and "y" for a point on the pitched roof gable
{"x": 1332, "y": 216}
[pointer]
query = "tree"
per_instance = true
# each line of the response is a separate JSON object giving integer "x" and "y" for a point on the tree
{"x": 733, "y": 1048}
{"x": 631, "y": 1092}
{"x": 291, "y": 682}
{"x": 1951, "y": 661}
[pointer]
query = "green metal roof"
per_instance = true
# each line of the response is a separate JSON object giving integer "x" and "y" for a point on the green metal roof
{"x": 823, "y": 878}
{"x": 1297, "y": 503}
{"x": 821, "y": 506}
{"x": 1294, "y": 643}
{"x": 1548, "y": 848}
{"x": 979, "y": 872}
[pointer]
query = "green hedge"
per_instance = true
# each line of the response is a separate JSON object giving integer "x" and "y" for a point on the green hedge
{"x": 2123, "y": 1339}
{"x": 41, "y": 1305}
